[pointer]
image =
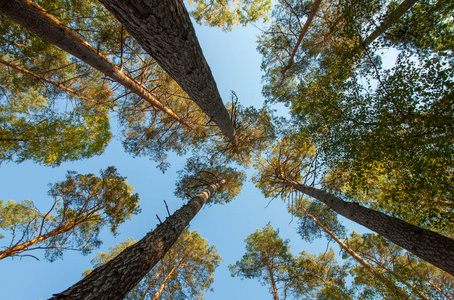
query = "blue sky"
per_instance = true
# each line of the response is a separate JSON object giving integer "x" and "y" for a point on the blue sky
{"x": 235, "y": 64}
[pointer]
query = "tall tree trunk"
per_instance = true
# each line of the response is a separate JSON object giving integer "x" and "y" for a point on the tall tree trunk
{"x": 116, "y": 278}
{"x": 426, "y": 244}
{"x": 33, "y": 17}
{"x": 163, "y": 28}
{"x": 387, "y": 282}
{"x": 389, "y": 20}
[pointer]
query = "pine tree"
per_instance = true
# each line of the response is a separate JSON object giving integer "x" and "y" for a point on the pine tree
{"x": 116, "y": 278}
{"x": 292, "y": 160}
{"x": 185, "y": 271}
{"x": 83, "y": 205}
{"x": 267, "y": 258}
{"x": 36, "y": 19}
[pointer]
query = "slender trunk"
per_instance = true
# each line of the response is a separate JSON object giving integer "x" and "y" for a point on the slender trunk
{"x": 163, "y": 28}
{"x": 164, "y": 282}
{"x": 426, "y": 244}
{"x": 414, "y": 289}
{"x": 59, "y": 85}
{"x": 314, "y": 10}
{"x": 33, "y": 17}
{"x": 389, "y": 20}
{"x": 116, "y": 278}
{"x": 150, "y": 286}
{"x": 23, "y": 247}
{"x": 388, "y": 283}
{"x": 435, "y": 287}
{"x": 273, "y": 282}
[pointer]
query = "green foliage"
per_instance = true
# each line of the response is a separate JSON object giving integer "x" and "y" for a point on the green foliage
{"x": 305, "y": 276}
{"x": 319, "y": 276}
{"x": 89, "y": 193}
{"x": 31, "y": 130}
{"x": 293, "y": 158}
{"x": 83, "y": 205}
{"x": 188, "y": 268}
{"x": 199, "y": 172}
{"x": 255, "y": 131}
{"x": 429, "y": 27}
{"x": 330, "y": 46}
{"x": 307, "y": 228}
{"x": 228, "y": 13}
{"x": 148, "y": 132}
{"x": 386, "y": 135}
{"x": 14, "y": 215}
{"x": 418, "y": 278}
{"x": 36, "y": 123}
{"x": 267, "y": 258}
{"x": 391, "y": 146}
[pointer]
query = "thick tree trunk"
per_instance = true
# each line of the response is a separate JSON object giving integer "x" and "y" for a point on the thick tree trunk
{"x": 116, "y": 278}
{"x": 389, "y": 20}
{"x": 37, "y": 20}
{"x": 427, "y": 245}
{"x": 387, "y": 282}
{"x": 163, "y": 28}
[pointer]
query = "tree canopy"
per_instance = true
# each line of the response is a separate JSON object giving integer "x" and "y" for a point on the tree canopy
{"x": 186, "y": 271}
{"x": 83, "y": 205}
{"x": 368, "y": 87}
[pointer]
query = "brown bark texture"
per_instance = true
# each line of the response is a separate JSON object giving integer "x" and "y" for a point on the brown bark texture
{"x": 389, "y": 20}
{"x": 426, "y": 244}
{"x": 164, "y": 30}
{"x": 33, "y": 17}
{"x": 116, "y": 278}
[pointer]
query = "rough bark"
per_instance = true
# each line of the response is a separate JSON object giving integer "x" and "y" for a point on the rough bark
{"x": 33, "y": 17}
{"x": 387, "y": 282}
{"x": 389, "y": 20}
{"x": 116, "y": 278}
{"x": 426, "y": 244}
{"x": 164, "y": 30}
